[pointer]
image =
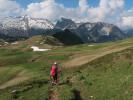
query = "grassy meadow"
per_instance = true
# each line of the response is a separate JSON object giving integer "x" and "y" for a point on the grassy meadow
{"x": 107, "y": 77}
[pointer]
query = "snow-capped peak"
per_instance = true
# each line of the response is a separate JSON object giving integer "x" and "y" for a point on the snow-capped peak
{"x": 40, "y": 23}
{"x": 22, "y": 25}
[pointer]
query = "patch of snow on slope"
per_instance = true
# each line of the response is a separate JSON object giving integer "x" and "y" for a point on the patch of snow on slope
{"x": 91, "y": 45}
{"x": 14, "y": 43}
{"x": 35, "y": 48}
{"x": 106, "y": 31}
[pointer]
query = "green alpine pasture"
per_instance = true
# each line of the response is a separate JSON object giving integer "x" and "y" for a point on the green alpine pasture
{"x": 27, "y": 73}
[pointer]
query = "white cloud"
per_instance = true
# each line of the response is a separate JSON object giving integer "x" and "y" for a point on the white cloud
{"x": 83, "y": 6}
{"x": 51, "y": 10}
{"x": 111, "y": 11}
{"x": 127, "y": 19}
{"x": 108, "y": 10}
{"x": 9, "y": 7}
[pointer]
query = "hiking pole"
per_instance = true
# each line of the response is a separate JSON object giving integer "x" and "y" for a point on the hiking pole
{"x": 61, "y": 76}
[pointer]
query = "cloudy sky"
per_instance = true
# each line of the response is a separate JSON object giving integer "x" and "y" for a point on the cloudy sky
{"x": 118, "y": 12}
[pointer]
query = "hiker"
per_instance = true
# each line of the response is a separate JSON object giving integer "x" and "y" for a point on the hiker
{"x": 54, "y": 73}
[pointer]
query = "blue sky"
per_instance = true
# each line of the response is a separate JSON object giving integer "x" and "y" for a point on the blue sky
{"x": 73, "y": 3}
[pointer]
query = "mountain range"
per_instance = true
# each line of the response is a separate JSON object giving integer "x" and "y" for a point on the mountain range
{"x": 66, "y": 30}
{"x": 92, "y": 32}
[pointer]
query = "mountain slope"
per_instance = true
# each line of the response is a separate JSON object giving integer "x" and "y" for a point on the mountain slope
{"x": 68, "y": 38}
{"x": 129, "y": 32}
{"x": 105, "y": 32}
{"x": 92, "y": 32}
{"x": 84, "y": 59}
{"x": 64, "y": 23}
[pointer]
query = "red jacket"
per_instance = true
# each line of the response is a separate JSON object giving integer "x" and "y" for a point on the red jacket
{"x": 53, "y": 70}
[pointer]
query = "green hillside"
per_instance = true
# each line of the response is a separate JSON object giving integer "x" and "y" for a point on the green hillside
{"x": 89, "y": 71}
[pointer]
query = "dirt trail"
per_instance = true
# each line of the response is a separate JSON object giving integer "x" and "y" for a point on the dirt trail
{"x": 52, "y": 95}
{"x": 20, "y": 77}
{"x": 84, "y": 59}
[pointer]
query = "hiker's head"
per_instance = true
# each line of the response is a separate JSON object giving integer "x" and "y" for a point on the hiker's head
{"x": 55, "y": 63}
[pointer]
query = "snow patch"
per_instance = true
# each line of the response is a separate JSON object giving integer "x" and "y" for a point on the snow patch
{"x": 91, "y": 96}
{"x": 6, "y": 43}
{"x": 106, "y": 31}
{"x": 41, "y": 43}
{"x": 91, "y": 45}
{"x": 35, "y": 48}
{"x": 14, "y": 43}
